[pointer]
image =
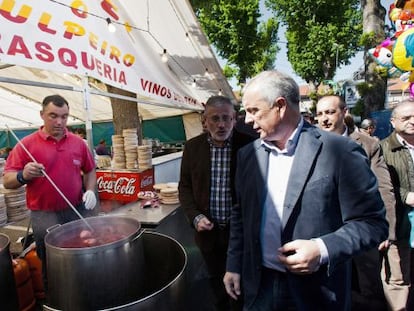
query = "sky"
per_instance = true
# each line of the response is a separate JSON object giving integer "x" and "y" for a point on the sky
{"x": 282, "y": 63}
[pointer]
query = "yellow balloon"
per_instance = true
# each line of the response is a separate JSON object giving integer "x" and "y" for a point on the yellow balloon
{"x": 394, "y": 14}
{"x": 403, "y": 51}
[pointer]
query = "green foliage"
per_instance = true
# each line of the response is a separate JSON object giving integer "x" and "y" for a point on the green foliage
{"x": 229, "y": 71}
{"x": 363, "y": 88}
{"x": 233, "y": 27}
{"x": 321, "y": 34}
{"x": 369, "y": 39}
{"x": 314, "y": 96}
{"x": 359, "y": 108}
{"x": 382, "y": 71}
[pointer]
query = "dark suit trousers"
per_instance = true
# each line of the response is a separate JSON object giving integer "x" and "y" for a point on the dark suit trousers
{"x": 215, "y": 253}
{"x": 274, "y": 293}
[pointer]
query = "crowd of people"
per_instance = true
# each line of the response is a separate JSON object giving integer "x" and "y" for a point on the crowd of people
{"x": 313, "y": 212}
{"x": 289, "y": 211}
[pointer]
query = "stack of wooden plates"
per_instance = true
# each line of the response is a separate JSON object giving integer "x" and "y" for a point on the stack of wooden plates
{"x": 118, "y": 151}
{"x": 16, "y": 203}
{"x": 2, "y": 163}
{"x": 158, "y": 187}
{"x": 103, "y": 161}
{"x": 169, "y": 195}
{"x": 144, "y": 157}
{"x": 130, "y": 147}
{"x": 3, "y": 210}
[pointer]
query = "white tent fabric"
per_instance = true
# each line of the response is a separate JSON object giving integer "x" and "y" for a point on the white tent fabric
{"x": 192, "y": 125}
{"x": 49, "y": 42}
{"x": 20, "y": 104}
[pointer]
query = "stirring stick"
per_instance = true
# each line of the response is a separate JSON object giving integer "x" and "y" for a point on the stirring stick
{"x": 49, "y": 179}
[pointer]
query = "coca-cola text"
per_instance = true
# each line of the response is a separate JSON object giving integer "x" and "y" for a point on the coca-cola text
{"x": 122, "y": 185}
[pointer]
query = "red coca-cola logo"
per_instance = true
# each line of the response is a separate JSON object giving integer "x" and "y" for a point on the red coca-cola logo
{"x": 146, "y": 181}
{"x": 122, "y": 185}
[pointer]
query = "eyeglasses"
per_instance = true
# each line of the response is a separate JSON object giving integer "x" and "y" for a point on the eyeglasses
{"x": 218, "y": 119}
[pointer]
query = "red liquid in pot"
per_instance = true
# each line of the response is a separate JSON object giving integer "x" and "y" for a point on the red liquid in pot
{"x": 101, "y": 235}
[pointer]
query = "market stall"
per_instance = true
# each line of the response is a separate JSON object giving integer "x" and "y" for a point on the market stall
{"x": 64, "y": 47}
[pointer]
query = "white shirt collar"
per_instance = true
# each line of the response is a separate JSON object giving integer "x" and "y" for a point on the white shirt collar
{"x": 346, "y": 132}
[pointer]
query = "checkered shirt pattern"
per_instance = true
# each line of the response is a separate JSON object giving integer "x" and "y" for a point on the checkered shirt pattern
{"x": 220, "y": 190}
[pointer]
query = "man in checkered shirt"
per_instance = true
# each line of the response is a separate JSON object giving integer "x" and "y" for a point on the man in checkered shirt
{"x": 206, "y": 189}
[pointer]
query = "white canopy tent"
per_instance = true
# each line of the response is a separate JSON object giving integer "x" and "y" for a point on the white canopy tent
{"x": 49, "y": 46}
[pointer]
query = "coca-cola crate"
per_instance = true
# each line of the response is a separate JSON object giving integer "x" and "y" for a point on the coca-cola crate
{"x": 123, "y": 186}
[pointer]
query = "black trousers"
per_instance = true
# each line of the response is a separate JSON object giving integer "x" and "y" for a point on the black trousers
{"x": 215, "y": 259}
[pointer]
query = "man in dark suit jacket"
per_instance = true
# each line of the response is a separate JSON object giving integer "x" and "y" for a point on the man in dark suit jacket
{"x": 206, "y": 188}
{"x": 307, "y": 201}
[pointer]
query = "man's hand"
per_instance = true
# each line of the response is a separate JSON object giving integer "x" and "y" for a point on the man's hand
{"x": 204, "y": 224}
{"x": 232, "y": 283}
{"x": 384, "y": 245}
{"x": 300, "y": 256}
{"x": 33, "y": 170}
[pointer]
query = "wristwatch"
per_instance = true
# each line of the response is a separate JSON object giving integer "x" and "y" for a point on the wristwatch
{"x": 20, "y": 178}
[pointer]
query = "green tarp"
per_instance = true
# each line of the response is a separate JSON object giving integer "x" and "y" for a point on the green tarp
{"x": 167, "y": 130}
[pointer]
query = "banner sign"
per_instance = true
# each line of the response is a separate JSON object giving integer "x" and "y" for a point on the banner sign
{"x": 72, "y": 37}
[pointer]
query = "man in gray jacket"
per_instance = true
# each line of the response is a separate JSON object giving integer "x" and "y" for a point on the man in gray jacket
{"x": 398, "y": 151}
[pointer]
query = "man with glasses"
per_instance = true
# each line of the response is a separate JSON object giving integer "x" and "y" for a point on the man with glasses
{"x": 398, "y": 151}
{"x": 206, "y": 188}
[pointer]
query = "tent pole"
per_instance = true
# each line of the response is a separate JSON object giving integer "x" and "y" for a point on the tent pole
{"x": 86, "y": 106}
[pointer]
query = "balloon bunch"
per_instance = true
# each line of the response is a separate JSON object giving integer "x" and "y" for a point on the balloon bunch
{"x": 396, "y": 54}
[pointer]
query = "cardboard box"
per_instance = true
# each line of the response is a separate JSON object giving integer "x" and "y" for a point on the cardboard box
{"x": 123, "y": 185}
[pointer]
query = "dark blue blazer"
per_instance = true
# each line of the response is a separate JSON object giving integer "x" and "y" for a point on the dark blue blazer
{"x": 332, "y": 194}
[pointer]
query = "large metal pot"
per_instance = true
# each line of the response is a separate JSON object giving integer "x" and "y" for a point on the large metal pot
{"x": 8, "y": 292}
{"x": 165, "y": 264}
{"x": 97, "y": 277}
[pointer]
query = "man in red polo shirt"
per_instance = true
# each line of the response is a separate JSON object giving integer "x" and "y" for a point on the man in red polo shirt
{"x": 63, "y": 156}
